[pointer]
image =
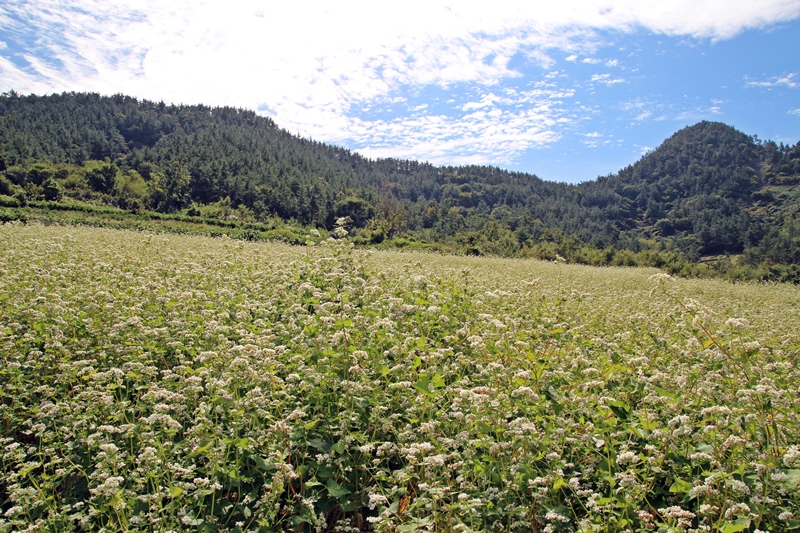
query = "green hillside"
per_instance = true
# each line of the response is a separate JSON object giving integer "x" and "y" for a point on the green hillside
{"x": 709, "y": 200}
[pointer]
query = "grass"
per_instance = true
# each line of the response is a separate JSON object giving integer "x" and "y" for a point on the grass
{"x": 175, "y": 382}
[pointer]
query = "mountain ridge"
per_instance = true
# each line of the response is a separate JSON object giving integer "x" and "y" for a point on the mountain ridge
{"x": 708, "y": 189}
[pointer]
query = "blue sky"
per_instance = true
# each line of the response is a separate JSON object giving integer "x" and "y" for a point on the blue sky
{"x": 568, "y": 90}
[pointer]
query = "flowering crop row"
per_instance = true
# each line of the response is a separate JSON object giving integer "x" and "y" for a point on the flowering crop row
{"x": 183, "y": 383}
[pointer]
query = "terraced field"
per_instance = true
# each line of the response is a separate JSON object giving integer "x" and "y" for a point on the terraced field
{"x": 177, "y": 383}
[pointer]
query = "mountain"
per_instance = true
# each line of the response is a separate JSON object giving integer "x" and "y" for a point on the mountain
{"x": 714, "y": 188}
{"x": 708, "y": 190}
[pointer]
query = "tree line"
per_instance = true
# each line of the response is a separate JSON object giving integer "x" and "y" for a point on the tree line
{"x": 709, "y": 191}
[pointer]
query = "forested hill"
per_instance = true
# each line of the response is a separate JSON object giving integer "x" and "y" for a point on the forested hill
{"x": 707, "y": 190}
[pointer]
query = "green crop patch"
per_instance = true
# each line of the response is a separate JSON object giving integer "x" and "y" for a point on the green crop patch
{"x": 187, "y": 383}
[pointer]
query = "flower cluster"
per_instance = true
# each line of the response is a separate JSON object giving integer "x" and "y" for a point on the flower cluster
{"x": 171, "y": 383}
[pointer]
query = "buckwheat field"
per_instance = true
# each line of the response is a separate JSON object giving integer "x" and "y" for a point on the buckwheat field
{"x": 173, "y": 383}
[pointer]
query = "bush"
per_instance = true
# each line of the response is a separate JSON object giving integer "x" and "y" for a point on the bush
{"x": 52, "y": 190}
{"x": 6, "y": 187}
{"x": 9, "y": 201}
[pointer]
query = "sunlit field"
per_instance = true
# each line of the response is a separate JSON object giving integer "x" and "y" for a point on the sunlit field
{"x": 175, "y": 383}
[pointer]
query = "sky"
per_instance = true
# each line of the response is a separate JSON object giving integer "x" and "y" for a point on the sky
{"x": 567, "y": 90}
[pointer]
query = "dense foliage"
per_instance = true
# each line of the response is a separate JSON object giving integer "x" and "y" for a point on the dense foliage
{"x": 707, "y": 191}
{"x": 174, "y": 383}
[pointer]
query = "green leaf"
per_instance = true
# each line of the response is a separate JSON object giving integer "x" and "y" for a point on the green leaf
{"x": 413, "y": 526}
{"x": 204, "y": 446}
{"x": 423, "y": 384}
{"x": 336, "y": 490}
{"x": 705, "y": 448}
{"x": 324, "y": 472}
{"x": 737, "y": 525}
{"x": 174, "y": 492}
{"x": 621, "y": 405}
{"x": 438, "y": 381}
{"x": 680, "y": 486}
{"x": 559, "y": 482}
{"x": 613, "y": 369}
{"x": 338, "y": 447}
{"x": 320, "y": 444}
{"x": 116, "y": 499}
{"x": 620, "y": 409}
{"x": 665, "y": 392}
{"x": 191, "y": 520}
{"x": 312, "y": 482}
{"x": 261, "y": 463}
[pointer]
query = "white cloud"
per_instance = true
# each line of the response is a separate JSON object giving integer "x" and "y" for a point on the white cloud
{"x": 697, "y": 113}
{"x": 606, "y": 79}
{"x": 787, "y": 80}
{"x": 313, "y": 64}
{"x": 634, "y": 105}
{"x": 591, "y": 60}
{"x": 594, "y": 140}
{"x": 644, "y": 109}
{"x": 612, "y": 63}
{"x": 795, "y": 112}
{"x": 491, "y": 129}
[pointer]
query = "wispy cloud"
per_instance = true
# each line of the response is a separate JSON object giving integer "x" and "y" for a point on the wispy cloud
{"x": 635, "y": 105}
{"x": 488, "y": 131}
{"x": 795, "y": 112}
{"x": 493, "y": 128}
{"x": 642, "y": 109}
{"x": 786, "y": 80}
{"x": 315, "y": 66}
{"x": 606, "y": 79}
{"x": 595, "y": 139}
{"x": 644, "y": 150}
